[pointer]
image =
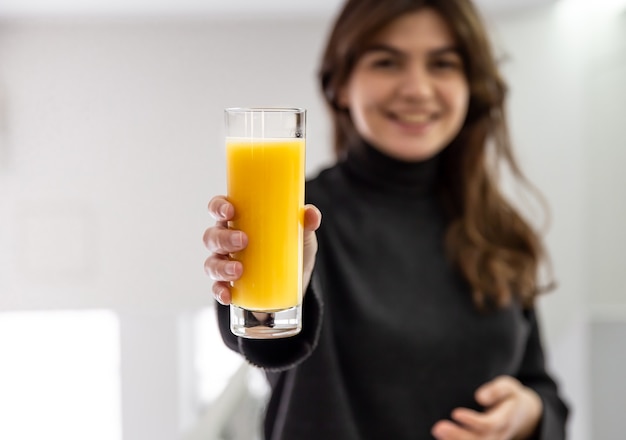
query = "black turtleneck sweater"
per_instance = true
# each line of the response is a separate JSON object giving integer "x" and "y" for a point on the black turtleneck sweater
{"x": 391, "y": 341}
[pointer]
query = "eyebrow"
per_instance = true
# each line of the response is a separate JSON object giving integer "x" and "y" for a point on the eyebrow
{"x": 379, "y": 47}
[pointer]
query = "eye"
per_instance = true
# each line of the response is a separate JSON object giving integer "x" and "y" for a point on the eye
{"x": 447, "y": 63}
{"x": 380, "y": 60}
{"x": 384, "y": 63}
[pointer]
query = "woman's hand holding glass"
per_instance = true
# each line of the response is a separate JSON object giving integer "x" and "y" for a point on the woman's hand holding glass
{"x": 222, "y": 241}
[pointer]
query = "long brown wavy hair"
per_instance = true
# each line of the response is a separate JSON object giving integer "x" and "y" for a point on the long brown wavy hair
{"x": 495, "y": 249}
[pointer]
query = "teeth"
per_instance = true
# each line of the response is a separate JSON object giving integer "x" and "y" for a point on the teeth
{"x": 417, "y": 118}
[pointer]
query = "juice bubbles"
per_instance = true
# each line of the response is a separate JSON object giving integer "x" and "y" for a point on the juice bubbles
{"x": 266, "y": 187}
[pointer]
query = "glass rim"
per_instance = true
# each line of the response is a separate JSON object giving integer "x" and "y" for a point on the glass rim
{"x": 265, "y": 109}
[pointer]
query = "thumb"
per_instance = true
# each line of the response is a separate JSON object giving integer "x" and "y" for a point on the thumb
{"x": 312, "y": 218}
{"x": 496, "y": 390}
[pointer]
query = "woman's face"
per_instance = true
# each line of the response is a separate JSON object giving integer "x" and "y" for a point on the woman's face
{"x": 408, "y": 94}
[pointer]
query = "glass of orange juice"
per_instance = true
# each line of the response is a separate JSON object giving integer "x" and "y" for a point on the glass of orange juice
{"x": 265, "y": 154}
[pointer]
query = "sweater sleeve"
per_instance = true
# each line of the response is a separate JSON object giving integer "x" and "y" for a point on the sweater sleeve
{"x": 284, "y": 353}
{"x": 533, "y": 374}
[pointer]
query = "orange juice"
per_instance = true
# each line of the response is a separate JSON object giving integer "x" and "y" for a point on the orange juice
{"x": 266, "y": 187}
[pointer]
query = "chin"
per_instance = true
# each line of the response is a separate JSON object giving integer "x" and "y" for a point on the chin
{"x": 413, "y": 154}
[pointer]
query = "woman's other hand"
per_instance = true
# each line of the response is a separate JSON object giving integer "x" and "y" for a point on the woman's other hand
{"x": 513, "y": 411}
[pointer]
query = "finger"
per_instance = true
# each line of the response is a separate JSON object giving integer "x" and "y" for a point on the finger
{"x": 472, "y": 420}
{"x": 447, "y": 430}
{"x": 223, "y": 241}
{"x": 497, "y": 390}
{"x": 220, "y": 268}
{"x": 312, "y": 218}
{"x": 221, "y": 292}
{"x": 494, "y": 421}
{"x": 221, "y": 209}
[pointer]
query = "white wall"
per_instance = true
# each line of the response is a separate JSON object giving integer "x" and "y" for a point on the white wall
{"x": 566, "y": 67}
{"x": 606, "y": 217}
{"x": 110, "y": 147}
{"x": 116, "y": 128}
{"x": 547, "y": 111}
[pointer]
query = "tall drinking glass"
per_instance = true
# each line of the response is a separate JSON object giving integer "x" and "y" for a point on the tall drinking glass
{"x": 265, "y": 153}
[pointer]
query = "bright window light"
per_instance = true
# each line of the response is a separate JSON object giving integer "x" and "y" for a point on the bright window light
{"x": 215, "y": 364}
{"x": 60, "y": 375}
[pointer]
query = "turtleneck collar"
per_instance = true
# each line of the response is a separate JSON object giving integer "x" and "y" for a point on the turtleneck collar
{"x": 388, "y": 174}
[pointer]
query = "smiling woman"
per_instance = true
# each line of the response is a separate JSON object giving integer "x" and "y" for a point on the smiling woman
{"x": 419, "y": 319}
{"x": 408, "y": 93}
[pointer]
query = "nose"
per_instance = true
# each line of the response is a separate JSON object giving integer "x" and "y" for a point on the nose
{"x": 416, "y": 83}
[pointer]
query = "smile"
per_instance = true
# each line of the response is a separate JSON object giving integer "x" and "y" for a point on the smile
{"x": 413, "y": 118}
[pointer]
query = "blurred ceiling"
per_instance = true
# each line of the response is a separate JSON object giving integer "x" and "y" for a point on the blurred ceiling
{"x": 195, "y": 8}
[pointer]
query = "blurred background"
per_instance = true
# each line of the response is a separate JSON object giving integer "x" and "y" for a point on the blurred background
{"x": 111, "y": 146}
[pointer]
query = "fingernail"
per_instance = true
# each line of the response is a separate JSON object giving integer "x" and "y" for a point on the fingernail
{"x": 235, "y": 239}
{"x": 230, "y": 268}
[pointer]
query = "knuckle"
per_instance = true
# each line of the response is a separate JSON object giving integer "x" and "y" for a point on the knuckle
{"x": 211, "y": 267}
{"x": 214, "y": 203}
{"x": 214, "y": 241}
{"x": 220, "y": 268}
{"x": 219, "y": 208}
{"x": 208, "y": 267}
{"x": 206, "y": 236}
{"x": 218, "y": 292}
